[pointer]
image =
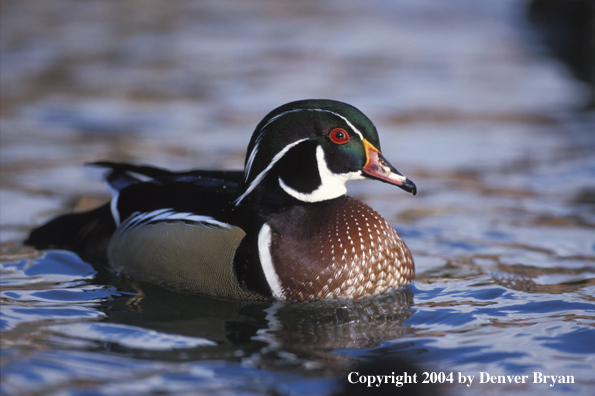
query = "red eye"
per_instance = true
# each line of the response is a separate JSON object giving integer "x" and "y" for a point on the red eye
{"x": 339, "y": 136}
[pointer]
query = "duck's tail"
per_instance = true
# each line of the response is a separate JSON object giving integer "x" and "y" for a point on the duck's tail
{"x": 86, "y": 234}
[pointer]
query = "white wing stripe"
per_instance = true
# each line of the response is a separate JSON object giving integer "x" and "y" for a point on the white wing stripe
{"x": 169, "y": 214}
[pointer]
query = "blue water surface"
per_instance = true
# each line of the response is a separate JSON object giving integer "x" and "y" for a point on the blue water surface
{"x": 470, "y": 103}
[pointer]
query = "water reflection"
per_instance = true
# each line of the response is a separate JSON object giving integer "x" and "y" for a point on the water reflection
{"x": 273, "y": 333}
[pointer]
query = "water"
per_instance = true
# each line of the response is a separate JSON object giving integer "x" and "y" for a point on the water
{"x": 468, "y": 105}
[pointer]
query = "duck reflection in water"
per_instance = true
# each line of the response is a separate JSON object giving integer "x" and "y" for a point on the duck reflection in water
{"x": 267, "y": 333}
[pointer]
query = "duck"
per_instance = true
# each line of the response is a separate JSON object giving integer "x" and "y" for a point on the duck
{"x": 283, "y": 229}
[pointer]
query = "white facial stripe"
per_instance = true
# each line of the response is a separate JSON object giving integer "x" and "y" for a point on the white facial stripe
{"x": 344, "y": 119}
{"x": 332, "y": 184}
{"x": 277, "y": 157}
{"x": 320, "y": 110}
{"x": 250, "y": 161}
{"x": 262, "y": 174}
{"x": 275, "y": 118}
{"x": 259, "y": 138}
{"x": 252, "y": 156}
{"x": 266, "y": 261}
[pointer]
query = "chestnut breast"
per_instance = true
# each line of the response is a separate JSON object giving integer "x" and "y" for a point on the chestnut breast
{"x": 337, "y": 248}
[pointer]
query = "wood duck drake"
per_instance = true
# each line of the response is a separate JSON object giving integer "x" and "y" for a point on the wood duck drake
{"x": 284, "y": 228}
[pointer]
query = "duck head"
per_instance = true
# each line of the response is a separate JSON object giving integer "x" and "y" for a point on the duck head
{"x": 309, "y": 149}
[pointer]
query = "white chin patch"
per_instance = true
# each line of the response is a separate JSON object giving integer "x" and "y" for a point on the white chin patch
{"x": 332, "y": 184}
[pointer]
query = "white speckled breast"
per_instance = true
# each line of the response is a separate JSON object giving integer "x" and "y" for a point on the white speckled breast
{"x": 339, "y": 248}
